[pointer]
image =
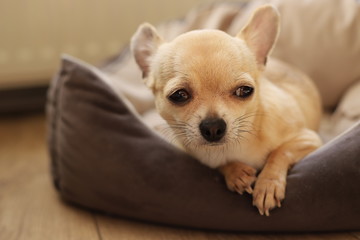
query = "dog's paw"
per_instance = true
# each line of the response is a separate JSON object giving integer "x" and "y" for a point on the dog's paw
{"x": 268, "y": 194}
{"x": 239, "y": 177}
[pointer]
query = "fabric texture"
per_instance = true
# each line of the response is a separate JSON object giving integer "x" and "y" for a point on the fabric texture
{"x": 105, "y": 158}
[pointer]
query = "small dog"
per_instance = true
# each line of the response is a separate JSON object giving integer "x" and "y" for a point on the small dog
{"x": 227, "y": 109}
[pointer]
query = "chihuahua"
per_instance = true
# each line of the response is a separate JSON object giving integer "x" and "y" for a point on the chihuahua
{"x": 229, "y": 106}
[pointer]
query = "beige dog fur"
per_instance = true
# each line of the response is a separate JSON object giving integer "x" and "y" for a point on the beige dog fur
{"x": 228, "y": 106}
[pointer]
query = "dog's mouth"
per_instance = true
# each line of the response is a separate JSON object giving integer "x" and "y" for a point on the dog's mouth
{"x": 214, "y": 144}
{"x": 206, "y": 143}
{"x": 198, "y": 142}
{"x": 209, "y": 133}
{"x": 213, "y": 134}
{"x": 219, "y": 142}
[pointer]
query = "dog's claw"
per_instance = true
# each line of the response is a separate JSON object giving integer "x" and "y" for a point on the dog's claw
{"x": 249, "y": 190}
{"x": 267, "y": 213}
{"x": 240, "y": 177}
{"x": 268, "y": 194}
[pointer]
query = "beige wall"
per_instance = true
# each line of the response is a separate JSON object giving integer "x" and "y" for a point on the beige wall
{"x": 33, "y": 33}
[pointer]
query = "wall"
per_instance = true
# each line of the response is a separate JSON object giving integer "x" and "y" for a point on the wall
{"x": 34, "y": 33}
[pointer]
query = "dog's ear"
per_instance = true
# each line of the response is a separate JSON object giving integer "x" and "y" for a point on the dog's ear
{"x": 144, "y": 45}
{"x": 261, "y": 32}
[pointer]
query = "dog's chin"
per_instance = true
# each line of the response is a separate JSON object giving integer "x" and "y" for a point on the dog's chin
{"x": 211, "y": 154}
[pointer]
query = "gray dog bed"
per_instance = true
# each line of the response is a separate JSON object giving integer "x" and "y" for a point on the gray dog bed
{"x": 105, "y": 158}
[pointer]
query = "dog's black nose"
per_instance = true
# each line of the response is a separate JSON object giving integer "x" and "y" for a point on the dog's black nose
{"x": 213, "y": 129}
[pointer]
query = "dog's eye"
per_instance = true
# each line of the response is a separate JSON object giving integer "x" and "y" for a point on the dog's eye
{"x": 180, "y": 96}
{"x": 244, "y": 91}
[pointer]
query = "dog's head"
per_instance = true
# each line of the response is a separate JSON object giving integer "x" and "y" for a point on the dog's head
{"x": 205, "y": 82}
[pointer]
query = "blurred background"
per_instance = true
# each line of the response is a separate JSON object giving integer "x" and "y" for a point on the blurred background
{"x": 34, "y": 34}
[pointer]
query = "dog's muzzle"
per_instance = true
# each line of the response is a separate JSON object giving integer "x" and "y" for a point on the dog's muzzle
{"x": 213, "y": 129}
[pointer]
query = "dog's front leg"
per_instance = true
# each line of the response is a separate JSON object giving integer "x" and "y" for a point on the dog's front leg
{"x": 239, "y": 177}
{"x": 270, "y": 186}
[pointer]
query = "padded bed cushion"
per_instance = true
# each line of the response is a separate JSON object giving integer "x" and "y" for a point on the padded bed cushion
{"x": 105, "y": 158}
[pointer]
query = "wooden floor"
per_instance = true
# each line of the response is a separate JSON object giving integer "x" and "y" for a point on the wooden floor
{"x": 30, "y": 207}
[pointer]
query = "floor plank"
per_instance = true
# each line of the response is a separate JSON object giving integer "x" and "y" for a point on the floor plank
{"x": 315, "y": 236}
{"x": 29, "y": 206}
{"x": 31, "y": 209}
{"x": 113, "y": 228}
{"x": 356, "y": 235}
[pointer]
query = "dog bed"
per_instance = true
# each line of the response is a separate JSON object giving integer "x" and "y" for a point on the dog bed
{"x": 104, "y": 156}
